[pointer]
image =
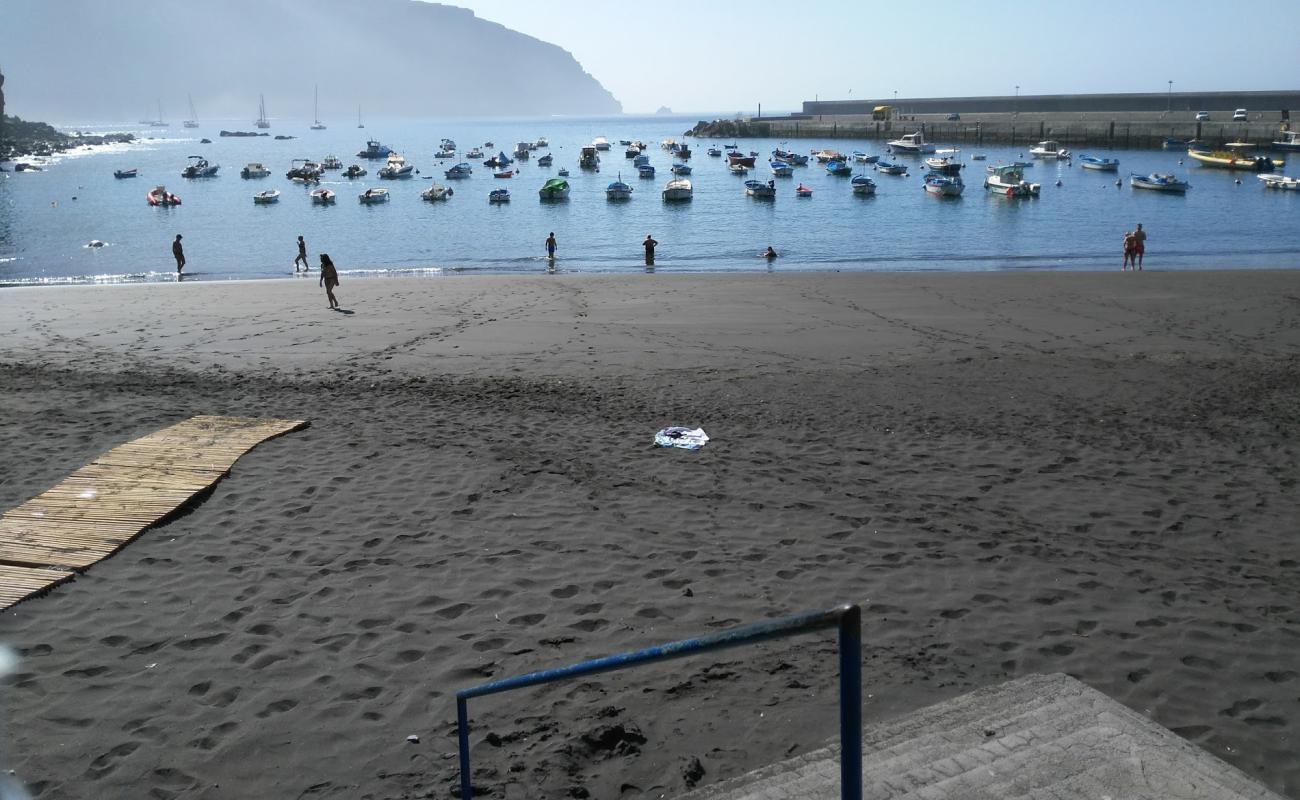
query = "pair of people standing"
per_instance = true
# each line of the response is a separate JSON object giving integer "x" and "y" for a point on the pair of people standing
{"x": 649, "y": 245}
{"x": 1135, "y": 246}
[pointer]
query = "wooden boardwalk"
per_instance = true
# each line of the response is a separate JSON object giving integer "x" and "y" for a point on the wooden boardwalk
{"x": 101, "y": 507}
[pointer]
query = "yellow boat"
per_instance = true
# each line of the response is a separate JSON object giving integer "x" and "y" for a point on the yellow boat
{"x": 1234, "y": 158}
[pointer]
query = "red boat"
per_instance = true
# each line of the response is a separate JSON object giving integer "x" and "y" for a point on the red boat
{"x": 803, "y": 191}
{"x": 159, "y": 196}
{"x": 506, "y": 174}
{"x": 742, "y": 160}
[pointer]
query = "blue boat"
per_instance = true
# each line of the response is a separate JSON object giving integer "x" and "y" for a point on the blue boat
{"x": 890, "y": 168}
{"x": 681, "y": 169}
{"x": 781, "y": 169}
{"x": 461, "y": 170}
{"x": 618, "y": 190}
{"x": 838, "y": 168}
{"x": 646, "y": 170}
{"x": 1101, "y": 164}
{"x": 375, "y": 150}
{"x": 1158, "y": 182}
{"x": 641, "y": 160}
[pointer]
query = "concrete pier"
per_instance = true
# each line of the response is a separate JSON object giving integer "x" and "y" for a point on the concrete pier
{"x": 1047, "y": 737}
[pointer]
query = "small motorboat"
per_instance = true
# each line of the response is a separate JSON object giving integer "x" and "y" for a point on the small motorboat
{"x": 624, "y": 142}
{"x": 1174, "y": 144}
{"x": 446, "y": 155}
{"x": 678, "y": 189}
{"x": 523, "y": 150}
{"x": 374, "y": 150}
{"x": 1008, "y": 180}
{"x": 331, "y": 162}
{"x": 826, "y": 155}
{"x": 944, "y": 165}
{"x": 1099, "y": 164}
{"x": 589, "y": 158}
{"x": 563, "y": 173}
{"x": 322, "y": 196}
{"x": 736, "y": 158}
{"x": 546, "y": 160}
{"x": 541, "y": 142}
{"x": 554, "y": 189}
{"x": 1234, "y": 157}
{"x": 505, "y": 173}
{"x": 640, "y": 160}
{"x": 308, "y": 180}
{"x": 266, "y": 197}
{"x": 474, "y": 153}
{"x": 373, "y": 196}
{"x": 618, "y": 190}
{"x": 125, "y": 173}
{"x": 600, "y": 143}
{"x": 978, "y": 156}
{"x": 758, "y": 189}
{"x": 781, "y": 169}
{"x": 911, "y": 143}
{"x": 437, "y": 192}
{"x": 715, "y": 152}
{"x": 1285, "y": 183}
{"x": 200, "y": 168}
{"x": 159, "y": 196}
{"x": 303, "y": 169}
{"x": 802, "y": 191}
{"x": 738, "y": 169}
{"x": 632, "y": 152}
{"x": 646, "y": 170}
{"x": 1158, "y": 182}
{"x": 840, "y": 168}
{"x": 863, "y": 185}
{"x": 890, "y": 168}
{"x": 1049, "y": 149}
{"x": 681, "y": 169}
{"x": 461, "y": 170}
{"x": 397, "y": 168}
{"x": 499, "y": 196}
{"x": 789, "y": 157}
{"x": 254, "y": 169}
{"x": 354, "y": 171}
{"x": 944, "y": 185}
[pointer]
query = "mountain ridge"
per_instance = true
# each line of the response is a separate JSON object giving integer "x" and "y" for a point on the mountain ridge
{"x": 115, "y": 61}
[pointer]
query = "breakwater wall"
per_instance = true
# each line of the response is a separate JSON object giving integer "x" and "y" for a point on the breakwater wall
{"x": 1075, "y": 132}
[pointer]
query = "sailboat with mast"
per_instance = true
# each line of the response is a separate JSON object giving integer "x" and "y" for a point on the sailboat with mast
{"x": 317, "y": 126}
{"x": 193, "y": 121}
{"x": 360, "y": 124}
{"x": 157, "y": 122}
{"x": 262, "y": 121}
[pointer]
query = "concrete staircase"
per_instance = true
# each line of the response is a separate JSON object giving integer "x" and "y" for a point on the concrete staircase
{"x": 1047, "y": 737}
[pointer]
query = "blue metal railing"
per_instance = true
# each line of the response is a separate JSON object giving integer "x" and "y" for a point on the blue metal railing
{"x": 848, "y": 618}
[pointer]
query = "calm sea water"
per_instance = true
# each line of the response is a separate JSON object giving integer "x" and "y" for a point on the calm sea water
{"x": 47, "y": 218}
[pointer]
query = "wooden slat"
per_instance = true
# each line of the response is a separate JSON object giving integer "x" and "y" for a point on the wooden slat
{"x": 106, "y": 504}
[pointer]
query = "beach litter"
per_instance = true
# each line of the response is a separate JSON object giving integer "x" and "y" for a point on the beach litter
{"x": 685, "y": 438}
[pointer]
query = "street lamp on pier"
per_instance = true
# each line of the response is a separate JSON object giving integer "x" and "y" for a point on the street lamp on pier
{"x": 1169, "y": 104}
{"x": 1015, "y": 105}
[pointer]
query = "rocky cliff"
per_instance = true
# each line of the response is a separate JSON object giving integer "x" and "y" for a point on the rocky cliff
{"x": 79, "y": 60}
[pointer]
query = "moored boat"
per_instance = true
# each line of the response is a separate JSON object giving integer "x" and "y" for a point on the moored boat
{"x": 765, "y": 191}
{"x": 838, "y": 168}
{"x": 396, "y": 168}
{"x": 737, "y": 158}
{"x": 826, "y": 155}
{"x": 1174, "y": 144}
{"x": 911, "y": 143}
{"x": 863, "y": 185}
{"x": 302, "y": 169}
{"x": 792, "y": 158}
{"x": 1049, "y": 149}
{"x": 437, "y": 192}
{"x": 499, "y": 196}
{"x": 373, "y": 195}
{"x": 554, "y": 189}
{"x": 802, "y": 191}
{"x": 737, "y": 169}
{"x": 944, "y": 185}
{"x": 1234, "y": 157}
{"x": 125, "y": 173}
{"x": 374, "y": 150}
{"x": 681, "y": 169}
{"x": 600, "y": 143}
{"x": 1283, "y": 182}
{"x": 546, "y": 160}
{"x": 678, "y": 189}
{"x": 331, "y": 162}
{"x": 1290, "y": 141}
{"x": 159, "y": 196}
{"x": 645, "y": 170}
{"x": 262, "y": 121}
{"x": 474, "y": 153}
{"x": 354, "y": 171}
{"x": 715, "y": 152}
{"x": 617, "y": 190}
{"x": 200, "y": 168}
{"x": 1099, "y": 164}
{"x": 505, "y": 173}
{"x": 945, "y": 164}
{"x": 254, "y": 169}
{"x": 588, "y": 158}
{"x": 461, "y": 170}
{"x": 890, "y": 168}
{"x": 1008, "y": 180}
{"x": 1159, "y": 182}
{"x": 322, "y": 196}
{"x": 266, "y": 197}
{"x": 781, "y": 169}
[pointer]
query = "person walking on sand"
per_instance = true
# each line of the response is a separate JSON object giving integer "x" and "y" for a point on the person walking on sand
{"x": 1139, "y": 246}
{"x": 302, "y": 256}
{"x": 179, "y": 253}
{"x": 550, "y": 246}
{"x": 329, "y": 278}
{"x": 649, "y": 245}
{"x": 1128, "y": 250}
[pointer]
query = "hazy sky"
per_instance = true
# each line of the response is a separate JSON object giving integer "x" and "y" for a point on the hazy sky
{"x": 727, "y": 57}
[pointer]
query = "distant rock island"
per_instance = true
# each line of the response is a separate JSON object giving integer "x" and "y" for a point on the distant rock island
{"x": 118, "y": 60}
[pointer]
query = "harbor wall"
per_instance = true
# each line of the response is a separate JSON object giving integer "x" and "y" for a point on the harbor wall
{"x": 1114, "y": 103}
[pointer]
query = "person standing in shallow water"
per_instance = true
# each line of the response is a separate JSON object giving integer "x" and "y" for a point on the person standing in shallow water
{"x": 302, "y": 256}
{"x": 551, "y": 244}
{"x": 1128, "y": 250}
{"x": 649, "y": 245}
{"x": 1139, "y": 246}
{"x": 329, "y": 278}
{"x": 179, "y": 252}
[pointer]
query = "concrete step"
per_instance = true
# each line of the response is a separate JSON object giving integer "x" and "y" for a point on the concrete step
{"x": 1046, "y": 737}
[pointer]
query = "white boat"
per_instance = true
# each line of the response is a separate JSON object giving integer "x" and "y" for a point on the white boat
{"x": 522, "y": 150}
{"x": 1049, "y": 149}
{"x": 317, "y": 125}
{"x": 1008, "y": 180}
{"x": 1290, "y": 141}
{"x": 618, "y": 190}
{"x": 199, "y": 167}
{"x": 372, "y": 196}
{"x": 437, "y": 192}
{"x": 588, "y": 157}
{"x": 1283, "y": 182}
{"x": 397, "y": 168}
{"x": 262, "y": 121}
{"x": 193, "y": 121}
{"x": 322, "y": 196}
{"x": 944, "y": 185}
{"x": 542, "y": 142}
{"x": 331, "y": 162}
{"x": 474, "y": 153}
{"x": 911, "y": 143}
{"x": 738, "y": 169}
{"x": 826, "y": 155}
{"x": 1158, "y": 182}
{"x": 1099, "y": 164}
{"x": 765, "y": 191}
{"x": 944, "y": 165}
{"x": 254, "y": 169}
{"x": 600, "y": 143}
{"x": 266, "y": 196}
{"x": 678, "y": 189}
{"x": 781, "y": 169}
